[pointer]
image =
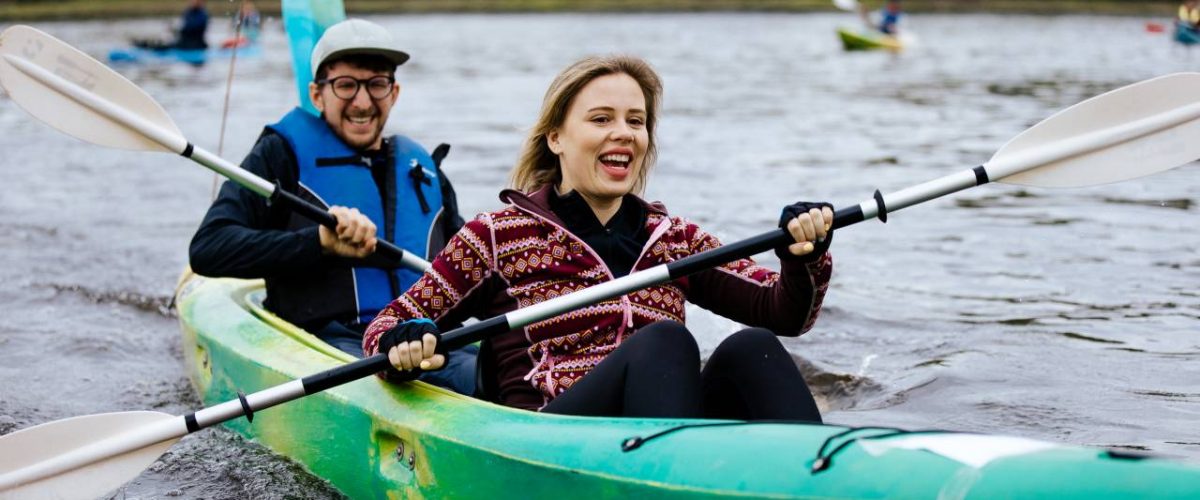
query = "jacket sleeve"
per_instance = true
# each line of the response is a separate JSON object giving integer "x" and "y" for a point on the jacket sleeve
{"x": 453, "y": 288}
{"x": 240, "y": 236}
{"x": 786, "y": 302}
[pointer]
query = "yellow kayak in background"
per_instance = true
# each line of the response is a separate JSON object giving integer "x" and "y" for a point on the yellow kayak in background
{"x": 868, "y": 40}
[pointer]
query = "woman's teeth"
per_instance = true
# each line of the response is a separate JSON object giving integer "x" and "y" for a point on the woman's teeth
{"x": 620, "y": 160}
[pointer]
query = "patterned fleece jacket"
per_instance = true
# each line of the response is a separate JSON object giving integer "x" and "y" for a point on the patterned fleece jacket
{"x": 523, "y": 255}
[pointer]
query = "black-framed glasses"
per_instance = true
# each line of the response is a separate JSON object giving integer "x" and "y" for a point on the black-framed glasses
{"x": 346, "y": 87}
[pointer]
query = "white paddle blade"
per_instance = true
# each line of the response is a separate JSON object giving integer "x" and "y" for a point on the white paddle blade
{"x": 849, "y": 5}
{"x": 58, "y": 445}
{"x": 68, "y": 90}
{"x": 1130, "y": 132}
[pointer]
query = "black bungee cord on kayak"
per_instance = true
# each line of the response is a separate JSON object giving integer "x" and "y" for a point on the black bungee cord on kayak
{"x": 822, "y": 460}
{"x": 634, "y": 442}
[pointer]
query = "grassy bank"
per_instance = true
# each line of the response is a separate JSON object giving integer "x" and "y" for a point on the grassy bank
{"x": 27, "y": 10}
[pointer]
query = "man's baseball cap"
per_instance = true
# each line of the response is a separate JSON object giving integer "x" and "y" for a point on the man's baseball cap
{"x": 356, "y": 36}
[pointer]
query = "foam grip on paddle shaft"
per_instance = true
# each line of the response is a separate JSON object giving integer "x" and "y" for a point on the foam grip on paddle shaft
{"x": 795, "y": 210}
{"x": 313, "y": 212}
{"x": 413, "y": 330}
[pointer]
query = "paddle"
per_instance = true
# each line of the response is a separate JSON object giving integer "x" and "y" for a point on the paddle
{"x": 305, "y": 21}
{"x": 847, "y": 5}
{"x": 70, "y": 91}
{"x": 1130, "y": 132}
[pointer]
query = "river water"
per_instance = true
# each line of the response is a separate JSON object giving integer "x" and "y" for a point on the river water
{"x": 1065, "y": 315}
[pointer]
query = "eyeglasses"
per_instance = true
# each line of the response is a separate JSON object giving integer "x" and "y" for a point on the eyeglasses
{"x": 346, "y": 87}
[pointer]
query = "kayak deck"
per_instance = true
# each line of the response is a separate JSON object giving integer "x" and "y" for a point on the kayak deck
{"x": 373, "y": 439}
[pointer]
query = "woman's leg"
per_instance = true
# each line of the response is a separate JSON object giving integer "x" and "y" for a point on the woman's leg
{"x": 751, "y": 377}
{"x": 654, "y": 373}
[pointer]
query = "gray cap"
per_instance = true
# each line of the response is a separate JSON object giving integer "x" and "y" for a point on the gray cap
{"x": 356, "y": 36}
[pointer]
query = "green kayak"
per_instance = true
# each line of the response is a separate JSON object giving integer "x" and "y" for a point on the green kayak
{"x": 371, "y": 439}
{"x": 868, "y": 40}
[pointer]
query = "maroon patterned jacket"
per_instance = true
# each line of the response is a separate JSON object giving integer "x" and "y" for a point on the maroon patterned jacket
{"x": 522, "y": 255}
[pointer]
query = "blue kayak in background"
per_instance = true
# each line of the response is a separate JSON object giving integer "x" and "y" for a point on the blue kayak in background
{"x": 141, "y": 55}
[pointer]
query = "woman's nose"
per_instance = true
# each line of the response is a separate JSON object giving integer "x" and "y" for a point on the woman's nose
{"x": 622, "y": 132}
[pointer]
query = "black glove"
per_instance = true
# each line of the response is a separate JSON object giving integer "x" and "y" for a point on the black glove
{"x": 410, "y": 331}
{"x": 791, "y": 212}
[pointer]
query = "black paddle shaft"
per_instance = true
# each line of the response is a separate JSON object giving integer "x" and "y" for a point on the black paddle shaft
{"x": 463, "y": 336}
{"x": 316, "y": 214}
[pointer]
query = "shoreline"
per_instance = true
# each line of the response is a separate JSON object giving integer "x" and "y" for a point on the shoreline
{"x": 47, "y": 10}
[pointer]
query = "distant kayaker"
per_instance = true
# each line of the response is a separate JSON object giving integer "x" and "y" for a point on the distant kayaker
{"x": 193, "y": 25}
{"x": 576, "y": 220}
{"x": 328, "y": 282}
{"x": 1189, "y": 13}
{"x": 248, "y": 22}
{"x": 1187, "y": 23}
{"x": 889, "y": 18}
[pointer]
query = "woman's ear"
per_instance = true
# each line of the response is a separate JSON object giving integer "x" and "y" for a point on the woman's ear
{"x": 552, "y": 142}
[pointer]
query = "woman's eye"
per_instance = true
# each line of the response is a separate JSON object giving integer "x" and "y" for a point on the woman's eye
{"x": 637, "y": 122}
{"x": 600, "y": 119}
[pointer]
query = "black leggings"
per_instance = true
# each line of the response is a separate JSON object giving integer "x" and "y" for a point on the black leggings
{"x": 656, "y": 373}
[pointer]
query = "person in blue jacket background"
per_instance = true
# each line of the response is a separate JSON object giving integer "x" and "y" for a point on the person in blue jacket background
{"x": 193, "y": 25}
{"x": 889, "y": 20}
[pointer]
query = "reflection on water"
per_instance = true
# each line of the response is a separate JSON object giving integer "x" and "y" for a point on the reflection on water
{"x": 1067, "y": 315}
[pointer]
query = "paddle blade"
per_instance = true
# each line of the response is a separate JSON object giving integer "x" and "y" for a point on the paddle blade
{"x": 1130, "y": 132}
{"x": 850, "y": 5}
{"x": 305, "y": 21}
{"x": 53, "y": 441}
{"x": 26, "y": 53}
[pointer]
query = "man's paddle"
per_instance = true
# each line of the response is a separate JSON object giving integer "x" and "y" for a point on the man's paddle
{"x": 1127, "y": 133}
{"x": 305, "y": 21}
{"x": 70, "y": 91}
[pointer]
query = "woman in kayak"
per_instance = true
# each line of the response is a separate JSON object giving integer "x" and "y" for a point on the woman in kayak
{"x": 575, "y": 220}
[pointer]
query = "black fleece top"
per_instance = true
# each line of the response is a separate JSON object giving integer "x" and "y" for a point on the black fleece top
{"x": 618, "y": 243}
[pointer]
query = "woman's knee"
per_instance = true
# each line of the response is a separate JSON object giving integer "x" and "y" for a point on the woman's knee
{"x": 757, "y": 340}
{"x": 668, "y": 336}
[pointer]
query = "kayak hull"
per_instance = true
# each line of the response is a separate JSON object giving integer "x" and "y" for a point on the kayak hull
{"x": 372, "y": 439}
{"x": 139, "y": 55}
{"x": 861, "y": 40}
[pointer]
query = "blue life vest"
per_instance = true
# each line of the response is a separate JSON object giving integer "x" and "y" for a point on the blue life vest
{"x": 888, "y": 21}
{"x": 335, "y": 174}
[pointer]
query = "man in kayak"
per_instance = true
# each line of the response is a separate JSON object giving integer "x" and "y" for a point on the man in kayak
{"x": 330, "y": 282}
{"x": 574, "y": 221}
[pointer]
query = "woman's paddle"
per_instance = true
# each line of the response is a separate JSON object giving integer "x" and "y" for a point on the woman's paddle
{"x": 1127, "y": 133}
{"x": 70, "y": 91}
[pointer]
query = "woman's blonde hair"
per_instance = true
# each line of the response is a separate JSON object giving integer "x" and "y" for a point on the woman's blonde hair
{"x": 538, "y": 166}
